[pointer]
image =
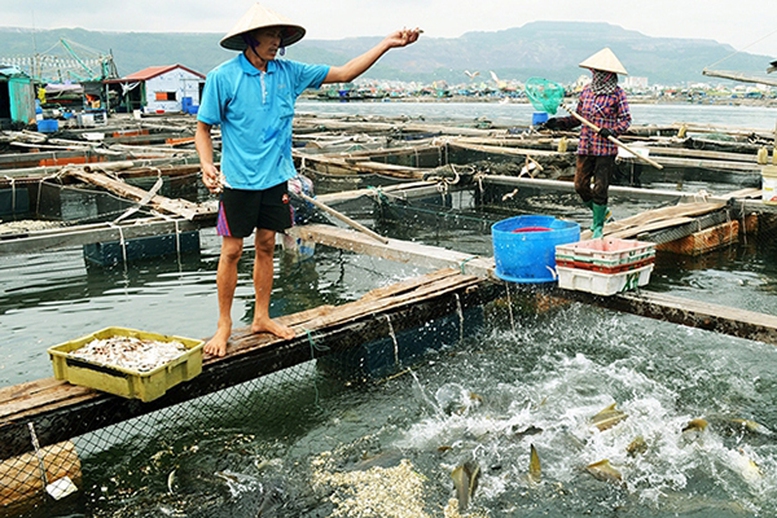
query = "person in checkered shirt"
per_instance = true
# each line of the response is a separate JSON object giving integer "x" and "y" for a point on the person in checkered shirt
{"x": 603, "y": 103}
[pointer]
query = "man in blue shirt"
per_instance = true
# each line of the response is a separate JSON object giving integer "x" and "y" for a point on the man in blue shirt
{"x": 252, "y": 98}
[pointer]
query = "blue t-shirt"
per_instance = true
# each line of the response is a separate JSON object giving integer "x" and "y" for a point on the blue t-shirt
{"x": 255, "y": 110}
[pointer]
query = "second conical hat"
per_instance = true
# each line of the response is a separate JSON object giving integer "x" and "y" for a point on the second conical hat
{"x": 605, "y": 60}
{"x": 258, "y": 17}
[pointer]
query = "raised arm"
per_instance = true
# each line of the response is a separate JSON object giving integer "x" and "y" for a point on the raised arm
{"x": 358, "y": 65}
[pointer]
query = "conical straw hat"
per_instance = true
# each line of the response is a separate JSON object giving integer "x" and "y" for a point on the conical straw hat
{"x": 605, "y": 60}
{"x": 258, "y": 17}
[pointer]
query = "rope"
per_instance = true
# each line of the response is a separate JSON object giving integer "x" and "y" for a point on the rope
{"x": 38, "y": 453}
{"x": 177, "y": 240}
{"x": 313, "y": 348}
{"x": 13, "y": 194}
{"x": 464, "y": 263}
{"x": 461, "y": 317}
{"x": 122, "y": 242}
{"x": 742, "y": 50}
{"x": 394, "y": 338}
{"x": 510, "y": 307}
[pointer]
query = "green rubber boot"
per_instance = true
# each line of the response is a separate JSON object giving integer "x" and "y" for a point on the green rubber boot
{"x": 600, "y": 213}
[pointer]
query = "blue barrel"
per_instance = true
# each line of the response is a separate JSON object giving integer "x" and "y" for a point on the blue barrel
{"x": 48, "y": 125}
{"x": 538, "y": 118}
{"x": 525, "y": 247}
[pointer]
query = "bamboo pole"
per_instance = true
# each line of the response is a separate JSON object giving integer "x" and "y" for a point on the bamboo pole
{"x": 612, "y": 139}
{"x": 342, "y": 217}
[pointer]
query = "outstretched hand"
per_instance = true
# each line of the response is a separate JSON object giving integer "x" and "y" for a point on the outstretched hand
{"x": 403, "y": 38}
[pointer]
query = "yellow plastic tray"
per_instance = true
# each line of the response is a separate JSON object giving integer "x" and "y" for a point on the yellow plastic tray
{"x": 128, "y": 383}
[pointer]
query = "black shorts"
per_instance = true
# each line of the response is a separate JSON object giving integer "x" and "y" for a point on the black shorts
{"x": 240, "y": 212}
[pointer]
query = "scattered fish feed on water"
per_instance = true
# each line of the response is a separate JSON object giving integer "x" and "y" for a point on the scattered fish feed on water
{"x": 130, "y": 353}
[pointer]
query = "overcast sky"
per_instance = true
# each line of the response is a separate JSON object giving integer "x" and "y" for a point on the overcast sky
{"x": 747, "y": 25}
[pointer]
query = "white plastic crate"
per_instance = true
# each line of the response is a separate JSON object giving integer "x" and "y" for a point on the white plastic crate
{"x": 602, "y": 283}
{"x": 607, "y": 252}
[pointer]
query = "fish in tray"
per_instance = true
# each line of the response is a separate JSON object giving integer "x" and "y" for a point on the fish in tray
{"x": 127, "y": 352}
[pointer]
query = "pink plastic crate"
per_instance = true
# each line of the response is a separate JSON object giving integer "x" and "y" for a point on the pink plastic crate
{"x": 607, "y": 252}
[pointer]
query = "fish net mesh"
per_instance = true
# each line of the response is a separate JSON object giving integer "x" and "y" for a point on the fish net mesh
{"x": 544, "y": 95}
{"x": 139, "y": 466}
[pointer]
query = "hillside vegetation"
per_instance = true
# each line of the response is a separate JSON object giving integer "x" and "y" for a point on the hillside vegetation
{"x": 547, "y": 49}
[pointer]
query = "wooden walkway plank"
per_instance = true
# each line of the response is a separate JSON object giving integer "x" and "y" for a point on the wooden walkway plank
{"x": 395, "y": 250}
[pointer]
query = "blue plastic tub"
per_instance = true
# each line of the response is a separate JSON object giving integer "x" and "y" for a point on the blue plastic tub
{"x": 48, "y": 125}
{"x": 538, "y": 118}
{"x": 525, "y": 247}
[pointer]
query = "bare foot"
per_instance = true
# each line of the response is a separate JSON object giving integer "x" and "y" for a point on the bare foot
{"x": 273, "y": 327}
{"x": 217, "y": 345}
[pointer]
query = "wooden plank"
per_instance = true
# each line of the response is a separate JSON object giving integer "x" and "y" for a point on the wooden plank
{"x": 662, "y": 195}
{"x": 178, "y": 207}
{"x": 498, "y": 150}
{"x": 702, "y": 154}
{"x": 700, "y": 163}
{"x": 703, "y": 315}
{"x": 52, "y": 239}
{"x": 395, "y": 190}
{"x": 395, "y": 250}
{"x": 660, "y": 218}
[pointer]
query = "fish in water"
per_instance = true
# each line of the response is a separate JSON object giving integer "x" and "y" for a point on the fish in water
{"x": 746, "y": 466}
{"x": 535, "y": 469}
{"x": 465, "y": 479}
{"x": 751, "y": 426}
{"x": 695, "y": 425}
{"x": 608, "y": 418}
{"x": 604, "y": 471}
{"x": 171, "y": 482}
{"x": 529, "y": 430}
{"x": 637, "y": 446}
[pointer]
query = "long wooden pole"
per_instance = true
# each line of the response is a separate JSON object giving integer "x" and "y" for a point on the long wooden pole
{"x": 612, "y": 139}
{"x": 342, "y": 217}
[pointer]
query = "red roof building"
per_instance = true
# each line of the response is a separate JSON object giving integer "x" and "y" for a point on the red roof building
{"x": 159, "y": 89}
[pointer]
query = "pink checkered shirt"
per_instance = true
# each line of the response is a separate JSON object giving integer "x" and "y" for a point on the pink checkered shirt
{"x": 605, "y": 111}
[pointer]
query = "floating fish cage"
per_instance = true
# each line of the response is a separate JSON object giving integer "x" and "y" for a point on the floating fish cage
{"x": 121, "y": 381}
{"x": 14, "y": 202}
{"x": 379, "y": 358}
{"x": 110, "y": 253}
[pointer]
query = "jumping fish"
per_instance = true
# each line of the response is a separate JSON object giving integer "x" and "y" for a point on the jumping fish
{"x": 637, "y": 446}
{"x": 171, "y": 482}
{"x": 535, "y": 469}
{"x": 695, "y": 425}
{"x": 604, "y": 471}
{"x": 608, "y": 418}
{"x": 751, "y": 426}
{"x": 747, "y": 467}
{"x": 465, "y": 480}
{"x": 529, "y": 430}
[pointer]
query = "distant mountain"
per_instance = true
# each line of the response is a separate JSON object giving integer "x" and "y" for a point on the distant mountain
{"x": 547, "y": 49}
